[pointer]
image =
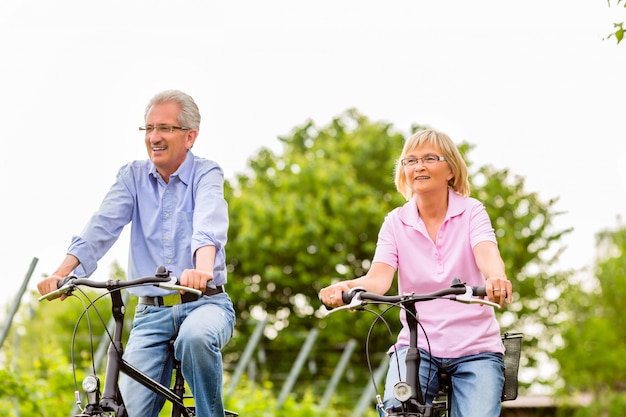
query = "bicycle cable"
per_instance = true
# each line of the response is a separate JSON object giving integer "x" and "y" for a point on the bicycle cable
{"x": 379, "y": 317}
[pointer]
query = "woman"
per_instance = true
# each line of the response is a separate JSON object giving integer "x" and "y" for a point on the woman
{"x": 439, "y": 234}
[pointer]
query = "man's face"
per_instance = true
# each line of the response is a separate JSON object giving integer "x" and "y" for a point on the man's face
{"x": 167, "y": 150}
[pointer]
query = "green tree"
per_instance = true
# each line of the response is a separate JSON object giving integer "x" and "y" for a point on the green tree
{"x": 594, "y": 335}
{"x": 37, "y": 377}
{"x": 38, "y": 385}
{"x": 302, "y": 219}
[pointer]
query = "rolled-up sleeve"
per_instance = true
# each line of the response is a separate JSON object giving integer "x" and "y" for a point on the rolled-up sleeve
{"x": 104, "y": 227}
{"x": 210, "y": 218}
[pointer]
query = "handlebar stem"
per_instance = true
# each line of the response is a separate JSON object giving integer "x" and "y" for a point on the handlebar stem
{"x": 413, "y": 355}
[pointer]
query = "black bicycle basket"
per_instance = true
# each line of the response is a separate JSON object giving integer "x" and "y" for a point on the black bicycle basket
{"x": 513, "y": 347}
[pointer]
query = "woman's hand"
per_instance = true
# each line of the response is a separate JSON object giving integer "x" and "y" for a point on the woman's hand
{"x": 499, "y": 289}
{"x": 331, "y": 295}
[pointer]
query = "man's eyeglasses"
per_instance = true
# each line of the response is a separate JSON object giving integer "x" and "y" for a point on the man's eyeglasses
{"x": 428, "y": 159}
{"x": 161, "y": 128}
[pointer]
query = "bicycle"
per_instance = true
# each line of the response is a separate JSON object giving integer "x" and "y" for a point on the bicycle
{"x": 109, "y": 402}
{"x": 409, "y": 392}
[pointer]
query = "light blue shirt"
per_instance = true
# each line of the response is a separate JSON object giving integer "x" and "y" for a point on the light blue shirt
{"x": 169, "y": 221}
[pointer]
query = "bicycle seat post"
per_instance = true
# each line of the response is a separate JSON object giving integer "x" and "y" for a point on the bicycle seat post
{"x": 442, "y": 399}
{"x": 179, "y": 382}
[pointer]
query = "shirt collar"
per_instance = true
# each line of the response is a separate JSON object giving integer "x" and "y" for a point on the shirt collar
{"x": 409, "y": 216}
{"x": 183, "y": 172}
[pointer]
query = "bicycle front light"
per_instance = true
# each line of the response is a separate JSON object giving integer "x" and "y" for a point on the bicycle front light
{"x": 91, "y": 386}
{"x": 91, "y": 383}
{"x": 402, "y": 391}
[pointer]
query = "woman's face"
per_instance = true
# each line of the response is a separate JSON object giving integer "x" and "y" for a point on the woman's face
{"x": 425, "y": 171}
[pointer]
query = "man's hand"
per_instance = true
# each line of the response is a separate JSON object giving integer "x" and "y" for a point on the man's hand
{"x": 50, "y": 284}
{"x": 195, "y": 278}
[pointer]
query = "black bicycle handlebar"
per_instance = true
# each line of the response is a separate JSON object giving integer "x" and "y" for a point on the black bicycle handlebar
{"x": 357, "y": 297}
{"x": 347, "y": 297}
{"x": 162, "y": 278}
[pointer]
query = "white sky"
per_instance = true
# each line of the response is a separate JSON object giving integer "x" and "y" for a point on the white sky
{"x": 531, "y": 84}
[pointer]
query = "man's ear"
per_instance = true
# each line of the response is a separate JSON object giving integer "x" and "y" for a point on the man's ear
{"x": 192, "y": 134}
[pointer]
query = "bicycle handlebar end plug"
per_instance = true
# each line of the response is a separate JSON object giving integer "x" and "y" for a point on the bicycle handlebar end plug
{"x": 162, "y": 272}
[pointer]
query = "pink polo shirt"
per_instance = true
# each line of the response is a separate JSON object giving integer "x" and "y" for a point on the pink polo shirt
{"x": 454, "y": 329}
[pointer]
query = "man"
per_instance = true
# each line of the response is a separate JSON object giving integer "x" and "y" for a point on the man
{"x": 179, "y": 219}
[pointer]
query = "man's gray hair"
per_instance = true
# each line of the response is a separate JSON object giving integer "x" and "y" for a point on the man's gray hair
{"x": 189, "y": 115}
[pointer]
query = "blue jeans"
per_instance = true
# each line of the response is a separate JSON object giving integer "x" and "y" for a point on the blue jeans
{"x": 477, "y": 381}
{"x": 201, "y": 329}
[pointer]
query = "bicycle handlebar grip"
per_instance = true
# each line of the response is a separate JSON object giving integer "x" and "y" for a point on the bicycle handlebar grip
{"x": 479, "y": 291}
{"x": 347, "y": 297}
{"x": 64, "y": 281}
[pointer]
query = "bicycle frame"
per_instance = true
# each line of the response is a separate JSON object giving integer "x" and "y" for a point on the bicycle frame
{"x": 116, "y": 364}
{"x": 111, "y": 400}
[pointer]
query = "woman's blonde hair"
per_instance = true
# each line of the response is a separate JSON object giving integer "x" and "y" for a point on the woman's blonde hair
{"x": 459, "y": 182}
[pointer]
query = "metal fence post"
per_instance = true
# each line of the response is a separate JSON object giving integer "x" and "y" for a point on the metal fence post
{"x": 341, "y": 366}
{"x": 247, "y": 354}
{"x": 293, "y": 375}
{"x": 369, "y": 392}
{"x": 17, "y": 301}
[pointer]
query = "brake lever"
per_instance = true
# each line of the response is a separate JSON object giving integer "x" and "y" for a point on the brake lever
{"x": 354, "y": 304}
{"x": 468, "y": 298}
{"x": 63, "y": 290}
{"x": 173, "y": 285}
{"x": 66, "y": 288}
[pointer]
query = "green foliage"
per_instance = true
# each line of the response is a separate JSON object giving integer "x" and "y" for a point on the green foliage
{"x": 254, "y": 400}
{"x": 618, "y": 27}
{"x": 594, "y": 336}
{"x": 259, "y": 400}
{"x": 303, "y": 219}
{"x": 38, "y": 375}
{"x": 611, "y": 404}
{"x": 40, "y": 391}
